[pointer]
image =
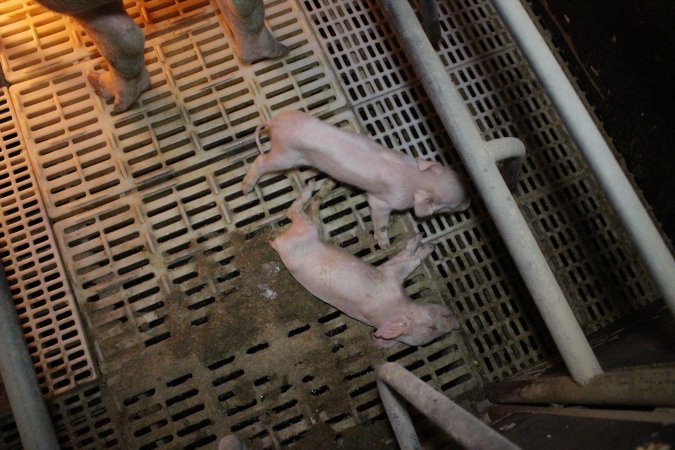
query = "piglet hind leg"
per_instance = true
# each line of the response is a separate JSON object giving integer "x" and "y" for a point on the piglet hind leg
{"x": 325, "y": 186}
{"x": 121, "y": 43}
{"x": 254, "y": 41}
{"x": 296, "y": 212}
{"x": 379, "y": 212}
{"x": 401, "y": 265}
{"x": 272, "y": 161}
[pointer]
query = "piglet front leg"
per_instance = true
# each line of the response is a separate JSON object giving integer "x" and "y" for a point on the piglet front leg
{"x": 401, "y": 265}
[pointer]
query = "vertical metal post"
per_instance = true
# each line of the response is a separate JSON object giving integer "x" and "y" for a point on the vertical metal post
{"x": 480, "y": 163}
{"x": 18, "y": 376}
{"x": 611, "y": 178}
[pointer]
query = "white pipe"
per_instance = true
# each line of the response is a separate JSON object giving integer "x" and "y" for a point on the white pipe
{"x": 627, "y": 206}
{"x": 478, "y": 157}
{"x": 466, "y": 430}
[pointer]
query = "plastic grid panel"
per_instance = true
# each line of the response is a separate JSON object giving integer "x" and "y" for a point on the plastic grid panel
{"x": 134, "y": 259}
{"x": 504, "y": 329}
{"x": 369, "y": 60}
{"x": 603, "y": 278}
{"x": 35, "y": 41}
{"x": 81, "y": 420}
{"x": 202, "y": 102}
{"x": 502, "y": 95}
{"x": 283, "y": 371}
{"x": 272, "y": 411}
{"x": 37, "y": 280}
{"x": 273, "y": 391}
{"x": 361, "y": 45}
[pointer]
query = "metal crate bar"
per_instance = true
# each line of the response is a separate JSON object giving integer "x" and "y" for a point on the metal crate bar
{"x": 605, "y": 167}
{"x": 16, "y": 370}
{"x": 480, "y": 163}
{"x": 464, "y": 428}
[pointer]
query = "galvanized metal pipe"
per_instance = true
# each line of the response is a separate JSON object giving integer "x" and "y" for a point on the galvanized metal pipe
{"x": 464, "y": 428}
{"x": 18, "y": 376}
{"x": 479, "y": 162}
{"x": 398, "y": 418}
{"x": 611, "y": 178}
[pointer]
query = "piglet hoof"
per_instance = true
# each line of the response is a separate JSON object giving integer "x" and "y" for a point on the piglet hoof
{"x": 246, "y": 186}
{"x": 306, "y": 192}
{"x": 231, "y": 442}
{"x": 125, "y": 91}
{"x": 424, "y": 250}
{"x": 324, "y": 186}
{"x": 382, "y": 238}
{"x": 415, "y": 249}
{"x": 413, "y": 243}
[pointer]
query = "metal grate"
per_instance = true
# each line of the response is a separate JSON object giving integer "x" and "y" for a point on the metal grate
{"x": 201, "y": 103}
{"x": 36, "y": 277}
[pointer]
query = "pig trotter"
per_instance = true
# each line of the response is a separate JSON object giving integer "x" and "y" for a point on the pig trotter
{"x": 125, "y": 91}
{"x": 121, "y": 43}
{"x": 254, "y": 41}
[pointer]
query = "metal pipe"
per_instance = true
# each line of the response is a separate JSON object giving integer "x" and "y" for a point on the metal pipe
{"x": 512, "y": 152}
{"x": 398, "y": 418}
{"x": 611, "y": 178}
{"x": 640, "y": 386}
{"x": 464, "y": 428}
{"x": 478, "y": 160}
{"x": 16, "y": 369}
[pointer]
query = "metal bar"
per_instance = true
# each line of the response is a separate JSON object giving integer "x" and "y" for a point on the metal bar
{"x": 640, "y": 386}
{"x": 665, "y": 416}
{"x": 611, "y": 178}
{"x": 398, "y": 418}
{"x": 512, "y": 152}
{"x": 545, "y": 291}
{"x": 464, "y": 428}
{"x": 16, "y": 369}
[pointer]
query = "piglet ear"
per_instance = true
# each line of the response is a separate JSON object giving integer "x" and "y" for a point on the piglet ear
{"x": 424, "y": 164}
{"x": 423, "y": 203}
{"x": 394, "y": 326}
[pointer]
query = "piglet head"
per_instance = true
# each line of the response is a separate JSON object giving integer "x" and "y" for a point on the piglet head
{"x": 418, "y": 326}
{"x": 441, "y": 190}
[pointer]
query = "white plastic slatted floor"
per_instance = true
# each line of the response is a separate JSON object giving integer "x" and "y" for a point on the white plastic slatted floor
{"x": 195, "y": 330}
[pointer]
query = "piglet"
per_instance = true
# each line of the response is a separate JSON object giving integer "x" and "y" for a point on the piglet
{"x": 372, "y": 295}
{"x": 393, "y": 181}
